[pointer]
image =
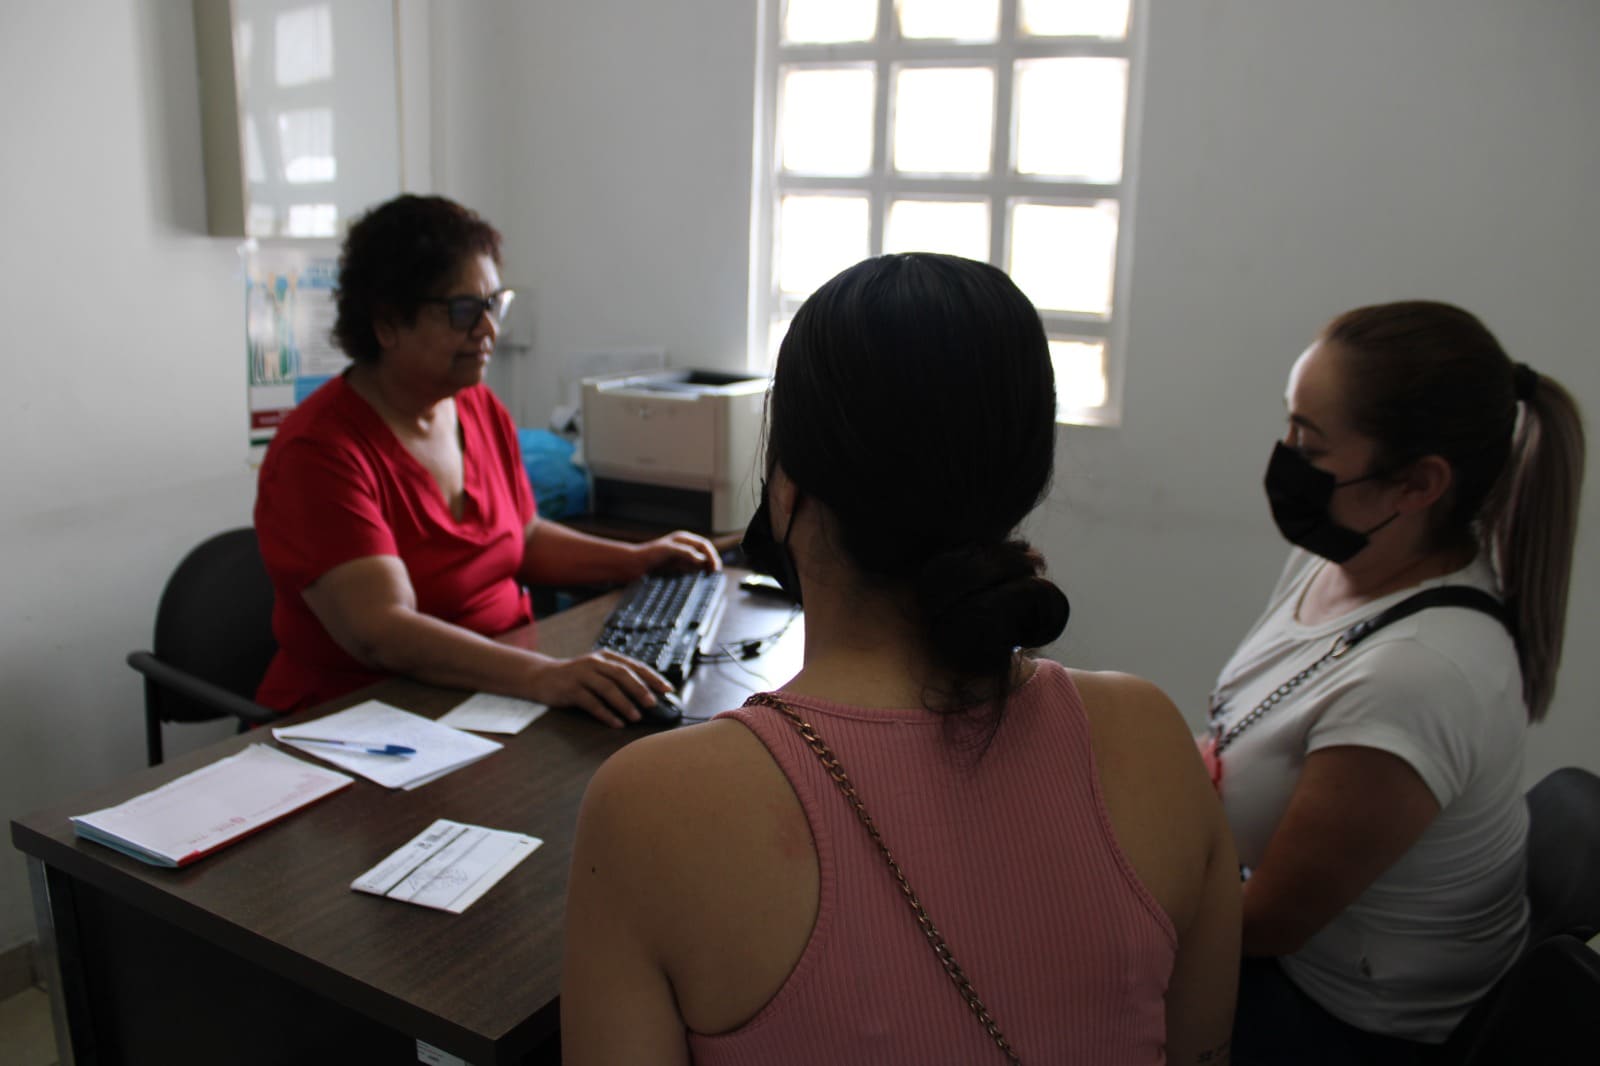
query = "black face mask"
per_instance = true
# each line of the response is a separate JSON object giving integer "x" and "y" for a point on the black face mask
{"x": 765, "y": 553}
{"x": 1299, "y": 494}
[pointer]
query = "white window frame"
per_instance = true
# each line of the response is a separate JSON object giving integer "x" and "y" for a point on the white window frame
{"x": 1001, "y": 187}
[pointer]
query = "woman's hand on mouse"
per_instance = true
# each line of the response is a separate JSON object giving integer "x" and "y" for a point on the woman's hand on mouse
{"x": 608, "y": 686}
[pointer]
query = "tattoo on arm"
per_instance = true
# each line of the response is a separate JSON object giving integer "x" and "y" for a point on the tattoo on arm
{"x": 1216, "y": 1055}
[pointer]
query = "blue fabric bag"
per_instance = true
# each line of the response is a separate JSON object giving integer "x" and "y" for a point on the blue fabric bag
{"x": 560, "y": 486}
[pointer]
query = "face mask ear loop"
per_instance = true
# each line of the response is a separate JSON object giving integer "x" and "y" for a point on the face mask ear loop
{"x": 1385, "y": 472}
{"x": 1381, "y": 472}
{"x": 1380, "y": 525}
{"x": 1364, "y": 477}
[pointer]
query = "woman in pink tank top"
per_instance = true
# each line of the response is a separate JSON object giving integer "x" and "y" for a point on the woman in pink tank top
{"x": 1046, "y": 877}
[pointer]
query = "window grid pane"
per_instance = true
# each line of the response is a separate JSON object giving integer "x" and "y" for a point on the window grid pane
{"x": 1073, "y": 18}
{"x": 949, "y": 20}
{"x": 818, "y": 236}
{"x": 1080, "y": 367}
{"x": 1064, "y": 255}
{"x": 826, "y": 120}
{"x": 1070, "y": 117}
{"x": 956, "y": 227}
{"x": 829, "y": 21}
{"x": 943, "y": 120}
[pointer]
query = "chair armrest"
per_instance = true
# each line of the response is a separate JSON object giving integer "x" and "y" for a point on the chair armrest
{"x": 185, "y": 683}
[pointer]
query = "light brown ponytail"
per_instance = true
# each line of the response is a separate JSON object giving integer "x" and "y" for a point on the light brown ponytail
{"x": 1531, "y": 527}
{"x": 1430, "y": 379}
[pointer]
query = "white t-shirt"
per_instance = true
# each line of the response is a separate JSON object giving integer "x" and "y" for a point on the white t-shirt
{"x": 1442, "y": 690}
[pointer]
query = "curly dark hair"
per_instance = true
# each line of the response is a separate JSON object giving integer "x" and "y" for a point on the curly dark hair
{"x": 395, "y": 256}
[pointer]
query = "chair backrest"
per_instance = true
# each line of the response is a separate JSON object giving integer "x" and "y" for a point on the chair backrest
{"x": 1564, "y": 854}
{"x": 1543, "y": 1010}
{"x": 215, "y": 622}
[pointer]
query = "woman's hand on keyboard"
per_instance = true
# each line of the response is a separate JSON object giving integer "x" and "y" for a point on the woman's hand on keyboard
{"x": 608, "y": 686}
{"x": 681, "y": 550}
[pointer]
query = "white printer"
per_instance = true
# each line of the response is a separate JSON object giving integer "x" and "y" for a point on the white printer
{"x": 675, "y": 448}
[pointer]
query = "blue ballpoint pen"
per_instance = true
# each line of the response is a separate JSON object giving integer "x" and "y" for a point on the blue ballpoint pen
{"x": 387, "y": 749}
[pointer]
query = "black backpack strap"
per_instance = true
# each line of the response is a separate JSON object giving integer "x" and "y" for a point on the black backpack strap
{"x": 1442, "y": 596}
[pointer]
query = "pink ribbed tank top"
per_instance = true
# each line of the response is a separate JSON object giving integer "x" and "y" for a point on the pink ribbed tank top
{"x": 1013, "y": 857}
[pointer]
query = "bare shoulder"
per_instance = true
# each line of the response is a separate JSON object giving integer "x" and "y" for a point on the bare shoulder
{"x": 666, "y": 803}
{"x": 1131, "y": 716}
{"x": 696, "y": 767}
{"x": 1163, "y": 810}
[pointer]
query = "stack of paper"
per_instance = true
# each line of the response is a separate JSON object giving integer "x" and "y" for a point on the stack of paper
{"x": 200, "y": 812}
{"x": 438, "y": 748}
{"x": 447, "y": 866}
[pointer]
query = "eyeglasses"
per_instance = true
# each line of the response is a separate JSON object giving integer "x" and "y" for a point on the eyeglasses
{"x": 465, "y": 311}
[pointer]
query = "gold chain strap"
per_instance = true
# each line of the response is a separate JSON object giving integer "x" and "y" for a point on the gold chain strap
{"x": 809, "y": 734}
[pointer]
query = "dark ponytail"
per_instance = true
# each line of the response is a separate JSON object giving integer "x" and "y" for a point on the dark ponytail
{"x": 979, "y": 604}
{"x": 914, "y": 396}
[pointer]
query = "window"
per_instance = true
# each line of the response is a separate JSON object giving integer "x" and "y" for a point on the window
{"x": 992, "y": 129}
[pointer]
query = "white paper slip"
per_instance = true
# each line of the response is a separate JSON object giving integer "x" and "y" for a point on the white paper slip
{"x": 447, "y": 866}
{"x": 215, "y": 805}
{"x": 484, "y": 712}
{"x": 439, "y": 748}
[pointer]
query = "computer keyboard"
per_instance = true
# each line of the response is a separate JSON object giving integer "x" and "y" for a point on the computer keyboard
{"x": 665, "y": 620}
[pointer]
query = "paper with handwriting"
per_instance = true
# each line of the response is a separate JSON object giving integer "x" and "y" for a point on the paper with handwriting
{"x": 447, "y": 866}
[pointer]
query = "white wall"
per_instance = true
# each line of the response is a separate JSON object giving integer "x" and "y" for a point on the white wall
{"x": 124, "y": 405}
{"x": 621, "y": 134}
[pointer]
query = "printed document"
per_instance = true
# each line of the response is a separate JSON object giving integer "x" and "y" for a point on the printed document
{"x": 439, "y": 748}
{"x": 215, "y": 805}
{"x": 447, "y": 866}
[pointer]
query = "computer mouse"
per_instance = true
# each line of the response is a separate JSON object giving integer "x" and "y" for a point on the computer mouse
{"x": 666, "y": 711}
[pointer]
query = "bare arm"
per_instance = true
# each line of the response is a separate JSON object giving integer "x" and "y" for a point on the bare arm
{"x": 554, "y": 554}
{"x": 1354, "y": 812}
{"x": 1205, "y": 976}
{"x": 1169, "y": 822}
{"x": 1204, "y": 987}
{"x": 370, "y": 609}
{"x": 617, "y": 1004}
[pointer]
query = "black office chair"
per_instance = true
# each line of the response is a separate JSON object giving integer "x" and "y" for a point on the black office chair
{"x": 1542, "y": 1011}
{"x": 213, "y": 639}
{"x": 1564, "y": 855}
{"x": 1548, "y": 1003}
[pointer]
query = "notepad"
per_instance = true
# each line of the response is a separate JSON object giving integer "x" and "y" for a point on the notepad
{"x": 484, "y": 712}
{"x": 447, "y": 866}
{"x": 194, "y": 815}
{"x": 440, "y": 749}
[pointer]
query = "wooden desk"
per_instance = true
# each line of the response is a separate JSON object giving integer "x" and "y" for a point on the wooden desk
{"x": 263, "y": 954}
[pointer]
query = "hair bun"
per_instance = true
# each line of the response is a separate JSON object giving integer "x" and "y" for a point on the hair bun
{"x": 981, "y": 602}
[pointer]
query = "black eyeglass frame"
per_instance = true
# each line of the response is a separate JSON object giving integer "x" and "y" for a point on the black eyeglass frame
{"x": 464, "y": 312}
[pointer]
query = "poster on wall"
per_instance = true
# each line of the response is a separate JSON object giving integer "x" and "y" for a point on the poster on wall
{"x": 289, "y": 313}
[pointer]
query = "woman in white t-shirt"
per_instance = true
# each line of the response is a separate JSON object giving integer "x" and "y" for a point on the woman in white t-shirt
{"x": 1375, "y": 794}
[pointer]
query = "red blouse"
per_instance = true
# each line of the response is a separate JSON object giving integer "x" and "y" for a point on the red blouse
{"x": 338, "y": 485}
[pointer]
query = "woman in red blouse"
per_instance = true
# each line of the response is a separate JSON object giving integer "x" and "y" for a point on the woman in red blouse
{"x": 393, "y": 511}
